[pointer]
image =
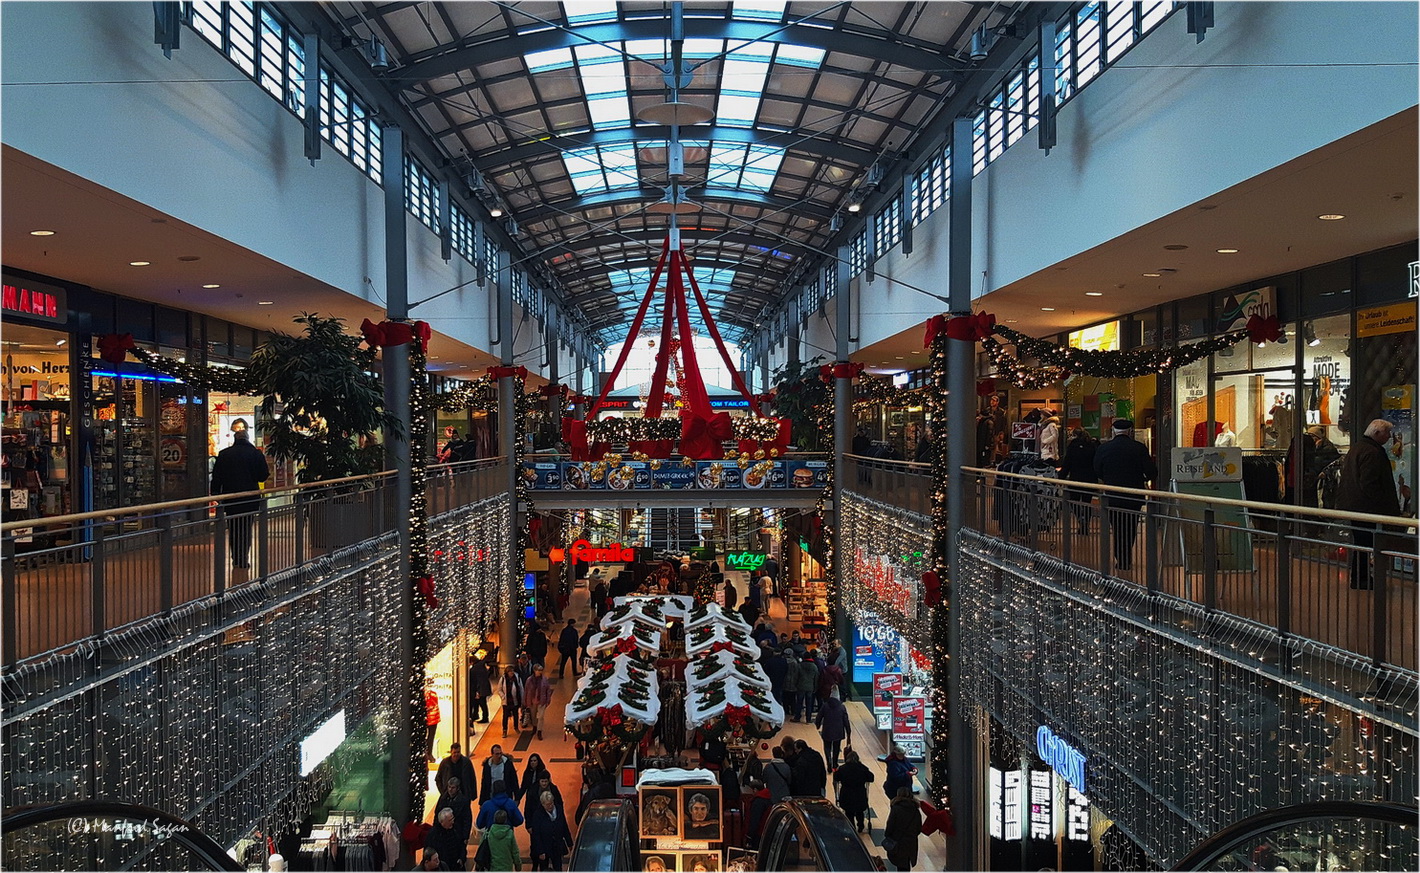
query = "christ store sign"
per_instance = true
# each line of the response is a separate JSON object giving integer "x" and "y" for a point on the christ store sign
{"x": 34, "y": 300}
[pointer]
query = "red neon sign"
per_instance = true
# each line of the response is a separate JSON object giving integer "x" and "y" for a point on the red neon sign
{"x": 587, "y": 553}
{"x": 23, "y": 300}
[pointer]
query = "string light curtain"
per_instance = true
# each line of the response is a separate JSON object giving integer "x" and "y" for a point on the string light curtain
{"x": 1181, "y": 736}
{"x": 877, "y": 538}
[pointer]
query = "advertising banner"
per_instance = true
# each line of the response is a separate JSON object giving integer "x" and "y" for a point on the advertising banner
{"x": 909, "y": 726}
{"x": 886, "y": 687}
{"x": 877, "y": 648}
{"x": 574, "y": 478}
{"x": 718, "y": 474}
{"x": 807, "y": 474}
{"x": 543, "y": 475}
{"x": 673, "y": 476}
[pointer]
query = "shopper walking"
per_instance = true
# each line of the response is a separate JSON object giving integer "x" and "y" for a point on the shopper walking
{"x": 1124, "y": 462}
{"x": 480, "y": 688}
{"x": 549, "y": 836}
{"x": 537, "y": 694}
{"x": 567, "y": 648}
{"x": 454, "y": 798}
{"x": 1367, "y": 485}
{"x": 499, "y": 771}
{"x": 499, "y": 800}
{"x": 240, "y": 467}
{"x": 510, "y": 688}
{"x": 776, "y": 669}
{"x": 810, "y": 774}
{"x": 503, "y": 852}
{"x": 904, "y": 826}
{"x": 456, "y": 766}
{"x": 851, "y": 785}
{"x": 533, "y": 767}
{"x": 1079, "y": 466}
{"x": 778, "y": 777}
{"x": 536, "y": 645}
{"x": 582, "y": 642}
{"x": 899, "y": 772}
{"x": 808, "y": 687}
{"x": 443, "y": 839}
{"x": 832, "y": 722}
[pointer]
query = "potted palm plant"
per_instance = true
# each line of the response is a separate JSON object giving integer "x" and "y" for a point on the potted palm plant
{"x": 326, "y": 408}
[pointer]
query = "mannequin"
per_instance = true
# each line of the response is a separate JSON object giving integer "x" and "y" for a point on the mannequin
{"x": 1050, "y": 436}
{"x": 1226, "y": 437}
{"x": 1281, "y": 421}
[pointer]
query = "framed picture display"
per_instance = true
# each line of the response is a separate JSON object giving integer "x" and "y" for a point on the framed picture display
{"x": 700, "y": 811}
{"x": 700, "y": 862}
{"x": 741, "y": 860}
{"x": 660, "y": 862}
{"x": 660, "y": 812}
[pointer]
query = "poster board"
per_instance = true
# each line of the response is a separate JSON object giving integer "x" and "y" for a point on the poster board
{"x": 886, "y": 687}
{"x": 909, "y": 726}
{"x": 1211, "y": 472}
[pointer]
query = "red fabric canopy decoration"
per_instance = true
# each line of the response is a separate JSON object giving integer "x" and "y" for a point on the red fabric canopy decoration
{"x": 1264, "y": 330}
{"x": 501, "y": 372}
{"x": 426, "y": 588}
{"x": 935, "y": 819}
{"x": 936, "y": 326}
{"x": 971, "y": 328}
{"x": 552, "y": 389}
{"x": 632, "y": 333}
{"x": 703, "y": 438}
{"x": 574, "y": 431}
{"x": 396, "y": 333}
{"x": 737, "y": 716}
{"x": 414, "y": 834}
{"x": 932, "y": 587}
{"x": 114, "y": 347}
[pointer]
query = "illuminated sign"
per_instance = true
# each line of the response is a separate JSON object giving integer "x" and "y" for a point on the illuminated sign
{"x": 43, "y": 302}
{"x": 318, "y": 746}
{"x": 1011, "y": 805}
{"x": 729, "y": 403}
{"x": 588, "y": 554}
{"x": 1042, "y": 804}
{"x": 461, "y": 554}
{"x": 1100, "y": 338}
{"x": 1064, "y": 758}
{"x": 744, "y": 560}
{"x": 1238, "y": 308}
{"x": 1380, "y": 320}
{"x": 1077, "y": 815}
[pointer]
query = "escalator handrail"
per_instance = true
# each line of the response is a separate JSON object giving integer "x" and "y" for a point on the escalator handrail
{"x": 605, "y": 823}
{"x": 1225, "y": 840}
{"x": 822, "y": 820}
{"x": 182, "y": 832}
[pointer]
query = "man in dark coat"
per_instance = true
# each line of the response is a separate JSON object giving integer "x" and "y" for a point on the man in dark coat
{"x": 1078, "y": 465}
{"x": 1124, "y": 462}
{"x": 480, "y": 688}
{"x": 536, "y": 646}
{"x": 567, "y": 648}
{"x": 810, "y": 774}
{"x": 456, "y": 765}
{"x": 1367, "y": 485}
{"x": 498, "y": 768}
{"x": 455, "y": 798}
{"x": 240, "y": 467}
{"x": 777, "y": 671}
{"x": 446, "y": 841}
{"x": 904, "y": 826}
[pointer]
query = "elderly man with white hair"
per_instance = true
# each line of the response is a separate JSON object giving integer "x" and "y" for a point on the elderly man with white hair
{"x": 1367, "y": 485}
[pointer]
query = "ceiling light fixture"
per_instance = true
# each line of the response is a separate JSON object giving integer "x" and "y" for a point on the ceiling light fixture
{"x": 139, "y": 263}
{"x": 1153, "y": 275}
{"x": 1331, "y": 216}
{"x": 265, "y": 302}
{"x": 855, "y": 207}
{"x": 41, "y": 233}
{"x": 1175, "y": 247}
{"x": 60, "y": 342}
{"x": 1227, "y": 251}
{"x": 211, "y": 286}
{"x": 1094, "y": 293}
{"x": 1047, "y": 309}
{"x": 496, "y": 212}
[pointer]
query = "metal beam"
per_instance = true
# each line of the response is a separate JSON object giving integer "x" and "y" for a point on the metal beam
{"x": 491, "y": 161}
{"x": 504, "y": 46}
{"x": 624, "y": 196}
{"x": 690, "y": 235}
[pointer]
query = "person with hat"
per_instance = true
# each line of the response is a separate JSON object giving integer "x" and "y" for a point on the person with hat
{"x": 1124, "y": 462}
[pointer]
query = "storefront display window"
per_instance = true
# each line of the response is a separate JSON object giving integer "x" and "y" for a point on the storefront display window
{"x": 37, "y": 473}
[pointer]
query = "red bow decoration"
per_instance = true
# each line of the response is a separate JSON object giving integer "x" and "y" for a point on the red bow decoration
{"x": 935, "y": 819}
{"x": 703, "y": 438}
{"x": 574, "y": 431}
{"x": 971, "y": 327}
{"x": 847, "y": 371}
{"x": 826, "y": 373}
{"x": 426, "y": 588}
{"x": 610, "y": 716}
{"x": 985, "y": 387}
{"x": 114, "y": 347}
{"x": 1264, "y": 330}
{"x": 396, "y": 333}
{"x": 626, "y": 646}
{"x": 552, "y": 389}
{"x": 515, "y": 372}
{"x": 722, "y": 646}
{"x": 737, "y": 716}
{"x": 932, "y": 586}
{"x": 765, "y": 398}
{"x": 936, "y": 326}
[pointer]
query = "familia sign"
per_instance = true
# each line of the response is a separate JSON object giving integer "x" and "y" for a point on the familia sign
{"x": 589, "y": 554}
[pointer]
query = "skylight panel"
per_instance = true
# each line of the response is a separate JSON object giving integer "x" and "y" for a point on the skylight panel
{"x": 595, "y": 53}
{"x": 800, "y": 56}
{"x": 717, "y": 277}
{"x": 581, "y": 161}
{"x": 702, "y": 48}
{"x": 726, "y": 165}
{"x": 744, "y": 76}
{"x": 742, "y": 50}
{"x": 760, "y": 10}
{"x": 737, "y": 110}
{"x": 583, "y": 11}
{"x": 602, "y": 80}
{"x": 621, "y": 171}
{"x": 609, "y": 111}
{"x": 552, "y": 59}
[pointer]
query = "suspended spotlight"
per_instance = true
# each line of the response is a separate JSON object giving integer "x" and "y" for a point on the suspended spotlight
{"x": 855, "y": 207}
{"x": 980, "y": 43}
{"x": 496, "y": 212}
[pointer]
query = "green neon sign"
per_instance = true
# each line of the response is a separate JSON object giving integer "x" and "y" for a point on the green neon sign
{"x": 744, "y": 560}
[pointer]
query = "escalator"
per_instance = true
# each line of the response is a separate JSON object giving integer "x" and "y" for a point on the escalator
{"x": 799, "y": 834}
{"x": 104, "y": 835}
{"x": 1330, "y": 835}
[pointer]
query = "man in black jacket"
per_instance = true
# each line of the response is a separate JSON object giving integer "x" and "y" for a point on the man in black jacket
{"x": 1367, "y": 485}
{"x": 480, "y": 688}
{"x": 567, "y": 648}
{"x": 240, "y": 467}
{"x": 456, "y": 766}
{"x": 810, "y": 772}
{"x": 1124, "y": 462}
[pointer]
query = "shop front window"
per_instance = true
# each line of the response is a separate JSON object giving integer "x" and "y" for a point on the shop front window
{"x": 37, "y": 473}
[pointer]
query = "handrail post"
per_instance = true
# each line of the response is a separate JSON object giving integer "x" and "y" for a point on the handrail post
{"x": 1151, "y": 551}
{"x": 1104, "y": 565}
{"x": 1379, "y": 623}
{"x": 97, "y": 613}
{"x": 1210, "y": 561}
{"x": 263, "y": 517}
{"x": 301, "y": 514}
{"x": 165, "y": 562}
{"x": 219, "y": 550}
{"x": 1284, "y": 579}
{"x": 1067, "y": 527}
{"x": 12, "y": 606}
{"x": 1032, "y": 519}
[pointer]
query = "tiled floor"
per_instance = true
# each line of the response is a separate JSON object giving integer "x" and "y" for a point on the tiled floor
{"x": 558, "y": 747}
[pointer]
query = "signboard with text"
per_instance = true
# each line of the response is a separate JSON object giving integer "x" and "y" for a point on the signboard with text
{"x": 909, "y": 726}
{"x": 886, "y": 687}
{"x": 877, "y": 648}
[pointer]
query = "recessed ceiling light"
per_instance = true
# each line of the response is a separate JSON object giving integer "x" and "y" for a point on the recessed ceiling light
{"x": 1153, "y": 275}
{"x": 265, "y": 302}
{"x": 1331, "y": 216}
{"x": 1227, "y": 251}
{"x": 189, "y": 258}
{"x": 1047, "y": 309}
{"x": 41, "y": 233}
{"x": 139, "y": 263}
{"x": 1094, "y": 293}
{"x": 1175, "y": 247}
{"x": 899, "y": 357}
{"x": 60, "y": 342}
{"x": 211, "y": 286}
{"x": 1012, "y": 320}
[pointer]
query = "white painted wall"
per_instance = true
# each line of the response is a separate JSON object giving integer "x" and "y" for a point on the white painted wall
{"x": 1176, "y": 121}
{"x": 193, "y": 137}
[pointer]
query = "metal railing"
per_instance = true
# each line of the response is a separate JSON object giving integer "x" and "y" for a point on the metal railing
{"x": 1346, "y": 580}
{"x": 902, "y": 483}
{"x": 79, "y": 576}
